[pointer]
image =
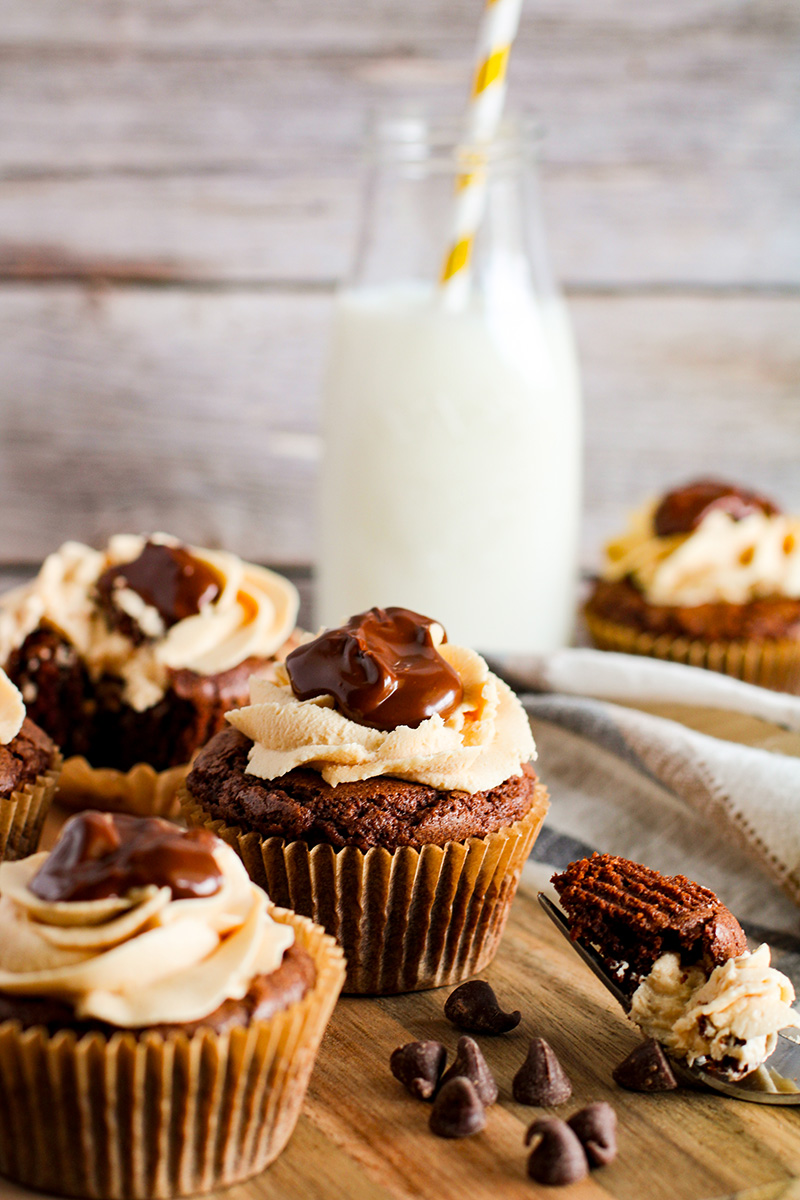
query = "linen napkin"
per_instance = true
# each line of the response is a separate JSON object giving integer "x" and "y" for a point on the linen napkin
{"x": 648, "y": 788}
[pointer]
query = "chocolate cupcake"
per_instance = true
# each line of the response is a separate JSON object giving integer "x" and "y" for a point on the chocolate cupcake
{"x": 129, "y": 658}
{"x": 710, "y": 576}
{"x": 382, "y": 785}
{"x": 159, "y": 1019}
{"x": 29, "y": 770}
{"x": 681, "y": 958}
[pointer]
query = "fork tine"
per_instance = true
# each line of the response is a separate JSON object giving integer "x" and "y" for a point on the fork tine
{"x": 786, "y": 1060}
{"x": 589, "y": 956}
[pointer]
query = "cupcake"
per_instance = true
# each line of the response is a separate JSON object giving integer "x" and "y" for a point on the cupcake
{"x": 159, "y": 1019}
{"x": 29, "y": 769}
{"x": 709, "y": 575}
{"x": 381, "y": 784}
{"x": 681, "y": 959}
{"x": 129, "y": 658}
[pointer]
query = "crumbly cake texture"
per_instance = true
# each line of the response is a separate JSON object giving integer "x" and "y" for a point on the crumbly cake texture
{"x": 91, "y": 719}
{"x": 267, "y": 995}
{"x": 25, "y": 757}
{"x": 380, "y": 811}
{"x": 632, "y": 915}
{"x": 770, "y": 618}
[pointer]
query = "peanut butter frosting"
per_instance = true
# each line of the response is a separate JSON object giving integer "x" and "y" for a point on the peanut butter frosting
{"x": 731, "y": 1016}
{"x": 485, "y": 740}
{"x": 12, "y": 710}
{"x": 143, "y": 958}
{"x": 722, "y": 560}
{"x": 252, "y": 614}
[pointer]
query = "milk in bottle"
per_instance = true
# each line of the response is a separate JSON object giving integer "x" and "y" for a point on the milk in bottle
{"x": 451, "y": 481}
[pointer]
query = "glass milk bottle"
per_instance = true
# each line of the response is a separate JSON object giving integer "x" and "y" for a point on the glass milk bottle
{"x": 451, "y": 477}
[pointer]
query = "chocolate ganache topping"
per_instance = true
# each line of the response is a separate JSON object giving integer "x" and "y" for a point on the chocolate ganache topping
{"x": 168, "y": 578}
{"x": 108, "y": 854}
{"x": 382, "y": 669}
{"x": 682, "y": 509}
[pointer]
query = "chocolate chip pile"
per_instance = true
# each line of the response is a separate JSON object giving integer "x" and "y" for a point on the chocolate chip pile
{"x": 561, "y": 1151}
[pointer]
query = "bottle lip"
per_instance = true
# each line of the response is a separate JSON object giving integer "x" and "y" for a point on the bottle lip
{"x": 418, "y": 137}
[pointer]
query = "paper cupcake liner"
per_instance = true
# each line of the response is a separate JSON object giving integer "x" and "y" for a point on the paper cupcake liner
{"x": 122, "y": 1118}
{"x": 407, "y": 919}
{"x": 142, "y": 790}
{"x": 772, "y": 664}
{"x": 22, "y": 814}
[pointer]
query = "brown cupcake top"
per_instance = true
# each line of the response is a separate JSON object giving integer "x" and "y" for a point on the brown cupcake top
{"x": 380, "y": 811}
{"x": 25, "y": 757}
{"x": 770, "y": 618}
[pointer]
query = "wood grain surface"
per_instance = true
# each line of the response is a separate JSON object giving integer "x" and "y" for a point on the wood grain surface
{"x": 362, "y": 1137}
{"x": 178, "y": 195}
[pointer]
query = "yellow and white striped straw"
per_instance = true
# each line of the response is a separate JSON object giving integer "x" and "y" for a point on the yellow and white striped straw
{"x": 497, "y": 32}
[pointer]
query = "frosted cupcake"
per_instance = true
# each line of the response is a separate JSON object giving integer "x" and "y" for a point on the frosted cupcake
{"x": 29, "y": 769}
{"x": 382, "y": 783}
{"x": 159, "y": 1019}
{"x": 129, "y": 658}
{"x": 708, "y": 575}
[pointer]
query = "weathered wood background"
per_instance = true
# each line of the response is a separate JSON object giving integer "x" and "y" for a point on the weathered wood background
{"x": 178, "y": 194}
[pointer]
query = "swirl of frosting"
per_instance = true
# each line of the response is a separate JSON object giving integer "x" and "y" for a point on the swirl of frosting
{"x": 731, "y": 1016}
{"x": 481, "y": 743}
{"x": 142, "y": 958}
{"x": 722, "y": 559}
{"x": 242, "y": 611}
{"x": 12, "y": 709}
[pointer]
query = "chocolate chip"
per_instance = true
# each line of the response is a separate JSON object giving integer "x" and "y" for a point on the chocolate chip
{"x": 473, "y": 1006}
{"x": 646, "y": 1069}
{"x": 457, "y": 1111}
{"x": 470, "y": 1064}
{"x": 541, "y": 1079}
{"x": 596, "y": 1127}
{"x": 558, "y": 1157}
{"x": 418, "y": 1066}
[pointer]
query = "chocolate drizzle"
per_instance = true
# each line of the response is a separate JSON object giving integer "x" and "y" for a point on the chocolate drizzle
{"x": 682, "y": 509}
{"x": 168, "y": 578}
{"x": 381, "y": 668}
{"x": 108, "y": 854}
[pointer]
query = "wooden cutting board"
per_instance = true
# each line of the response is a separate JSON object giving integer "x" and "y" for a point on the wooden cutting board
{"x": 362, "y": 1137}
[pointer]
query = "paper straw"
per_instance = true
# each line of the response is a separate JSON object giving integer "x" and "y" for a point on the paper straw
{"x": 497, "y": 32}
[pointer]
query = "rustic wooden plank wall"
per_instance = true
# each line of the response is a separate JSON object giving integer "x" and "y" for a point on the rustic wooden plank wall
{"x": 178, "y": 192}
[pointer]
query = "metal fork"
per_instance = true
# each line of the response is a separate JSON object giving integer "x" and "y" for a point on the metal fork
{"x": 783, "y": 1066}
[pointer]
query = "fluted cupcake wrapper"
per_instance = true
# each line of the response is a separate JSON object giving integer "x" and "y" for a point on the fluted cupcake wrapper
{"x": 406, "y": 919}
{"x": 127, "y": 1118}
{"x": 142, "y": 790}
{"x": 771, "y": 663}
{"x": 22, "y": 814}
